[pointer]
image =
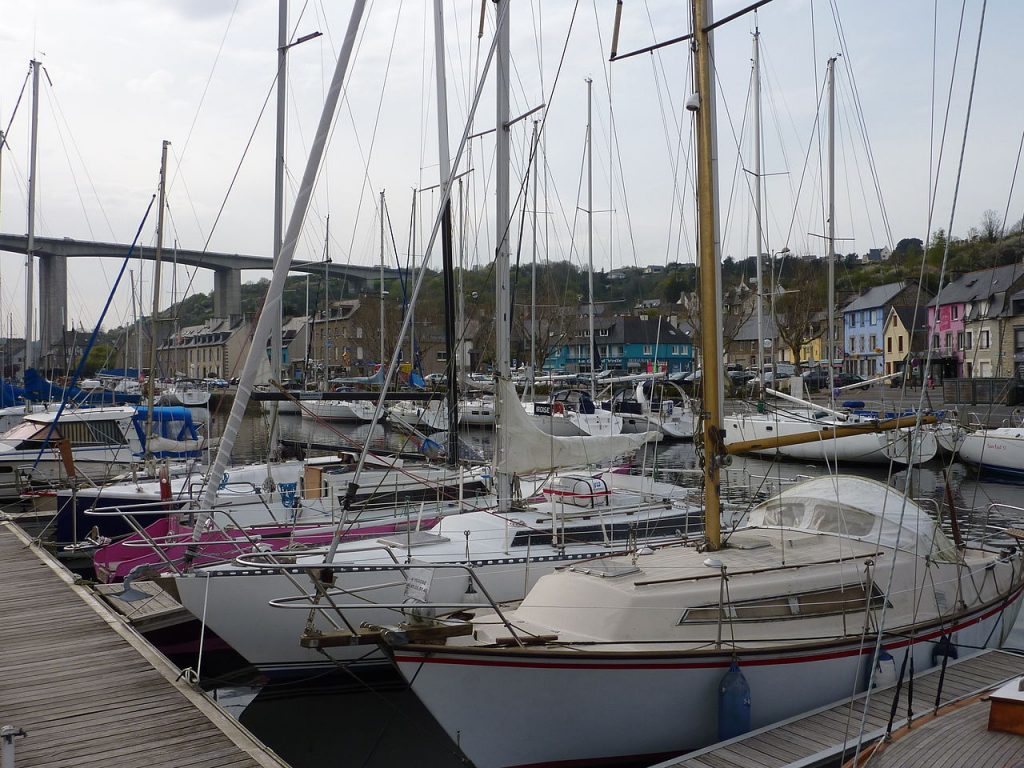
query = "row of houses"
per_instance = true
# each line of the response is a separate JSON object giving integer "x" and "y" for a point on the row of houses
{"x": 973, "y": 328}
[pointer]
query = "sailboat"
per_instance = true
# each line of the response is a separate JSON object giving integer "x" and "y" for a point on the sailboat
{"x": 909, "y": 445}
{"x": 522, "y": 535}
{"x": 672, "y": 648}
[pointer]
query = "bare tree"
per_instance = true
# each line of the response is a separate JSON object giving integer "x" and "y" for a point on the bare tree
{"x": 795, "y": 308}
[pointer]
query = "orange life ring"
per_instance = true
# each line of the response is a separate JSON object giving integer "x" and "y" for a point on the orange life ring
{"x": 558, "y": 408}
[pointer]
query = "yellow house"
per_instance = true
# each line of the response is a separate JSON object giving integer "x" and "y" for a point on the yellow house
{"x": 904, "y": 337}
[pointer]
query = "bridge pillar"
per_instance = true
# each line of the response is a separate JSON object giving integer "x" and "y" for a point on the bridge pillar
{"x": 53, "y": 310}
{"x": 227, "y": 292}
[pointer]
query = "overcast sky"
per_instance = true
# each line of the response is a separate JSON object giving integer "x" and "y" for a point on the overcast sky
{"x": 127, "y": 74}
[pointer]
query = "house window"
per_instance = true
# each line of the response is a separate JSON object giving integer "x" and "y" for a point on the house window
{"x": 984, "y": 340}
{"x": 648, "y": 349}
{"x": 873, "y": 343}
{"x": 860, "y": 343}
{"x": 852, "y": 344}
{"x": 442, "y": 356}
{"x": 949, "y": 342}
{"x": 968, "y": 339}
{"x": 1018, "y": 340}
{"x": 603, "y": 332}
{"x": 888, "y": 344}
{"x": 935, "y": 341}
{"x": 956, "y": 311}
{"x": 900, "y": 343}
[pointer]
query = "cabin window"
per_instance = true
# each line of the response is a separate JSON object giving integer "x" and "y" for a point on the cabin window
{"x": 839, "y": 518}
{"x": 93, "y": 433}
{"x": 787, "y": 515}
{"x": 825, "y": 602}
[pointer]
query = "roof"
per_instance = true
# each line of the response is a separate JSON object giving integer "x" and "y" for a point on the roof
{"x": 911, "y": 318}
{"x": 748, "y": 331}
{"x": 878, "y": 296}
{"x": 981, "y": 284}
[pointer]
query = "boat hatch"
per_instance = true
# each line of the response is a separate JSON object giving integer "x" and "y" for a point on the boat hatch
{"x": 605, "y": 570}
{"x": 413, "y": 539}
{"x": 822, "y": 602}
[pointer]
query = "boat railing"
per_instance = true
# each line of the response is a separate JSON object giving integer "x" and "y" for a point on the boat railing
{"x": 324, "y": 599}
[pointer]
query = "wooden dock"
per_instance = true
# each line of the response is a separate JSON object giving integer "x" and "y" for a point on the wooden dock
{"x": 823, "y": 736}
{"x": 88, "y": 691}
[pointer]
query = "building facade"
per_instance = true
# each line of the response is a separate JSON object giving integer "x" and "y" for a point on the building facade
{"x": 905, "y": 339}
{"x": 625, "y": 344}
{"x": 214, "y": 349}
{"x": 864, "y": 324}
{"x": 971, "y": 325}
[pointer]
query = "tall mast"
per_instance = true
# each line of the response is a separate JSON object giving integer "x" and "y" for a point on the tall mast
{"x": 156, "y": 296}
{"x": 533, "y": 269}
{"x": 381, "y": 358}
{"x": 590, "y": 237}
{"x": 263, "y": 330}
{"x": 327, "y": 301}
{"x": 757, "y": 211}
{"x": 276, "y": 354}
{"x": 411, "y": 309}
{"x": 30, "y": 357}
{"x": 830, "y": 304}
{"x": 711, "y": 344}
{"x": 445, "y": 165}
{"x": 503, "y": 482}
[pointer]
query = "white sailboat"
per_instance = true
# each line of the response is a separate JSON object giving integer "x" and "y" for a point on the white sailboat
{"x": 564, "y": 518}
{"x": 630, "y": 658}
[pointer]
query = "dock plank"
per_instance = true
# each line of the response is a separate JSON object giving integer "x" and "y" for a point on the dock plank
{"x": 88, "y": 691}
{"x": 799, "y": 739}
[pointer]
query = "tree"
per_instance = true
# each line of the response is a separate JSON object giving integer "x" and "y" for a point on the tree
{"x": 991, "y": 225}
{"x": 908, "y": 249}
{"x": 804, "y": 297}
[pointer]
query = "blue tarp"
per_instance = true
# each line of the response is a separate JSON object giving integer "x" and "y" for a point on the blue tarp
{"x": 120, "y": 373}
{"x": 40, "y": 389}
{"x": 173, "y": 422}
{"x": 10, "y": 395}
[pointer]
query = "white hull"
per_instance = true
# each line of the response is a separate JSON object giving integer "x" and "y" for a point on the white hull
{"x": 656, "y": 707}
{"x": 476, "y": 413}
{"x": 903, "y": 446}
{"x": 996, "y": 450}
{"x": 329, "y": 410}
{"x": 189, "y": 397}
{"x": 509, "y": 557}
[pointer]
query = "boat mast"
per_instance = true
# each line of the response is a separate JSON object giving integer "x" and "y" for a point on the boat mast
{"x": 830, "y": 303}
{"x": 327, "y": 302}
{"x": 590, "y": 237}
{"x": 276, "y": 353}
{"x": 444, "y": 163}
{"x": 30, "y": 358}
{"x": 381, "y": 358}
{"x": 757, "y": 210}
{"x": 710, "y": 279}
{"x": 503, "y": 481}
{"x": 533, "y": 269}
{"x": 156, "y": 297}
{"x": 257, "y": 348}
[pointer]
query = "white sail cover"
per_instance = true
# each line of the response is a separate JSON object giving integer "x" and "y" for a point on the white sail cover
{"x": 531, "y": 450}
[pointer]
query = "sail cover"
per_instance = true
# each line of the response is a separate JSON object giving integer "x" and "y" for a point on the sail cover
{"x": 532, "y": 450}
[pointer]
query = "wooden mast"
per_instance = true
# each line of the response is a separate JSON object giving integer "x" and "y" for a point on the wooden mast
{"x": 711, "y": 345}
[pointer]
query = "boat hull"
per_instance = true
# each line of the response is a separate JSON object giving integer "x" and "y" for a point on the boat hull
{"x": 643, "y": 705}
{"x": 999, "y": 451}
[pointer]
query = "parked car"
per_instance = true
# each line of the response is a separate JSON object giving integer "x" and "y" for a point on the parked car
{"x": 212, "y": 381}
{"x": 436, "y": 379}
{"x": 816, "y": 378}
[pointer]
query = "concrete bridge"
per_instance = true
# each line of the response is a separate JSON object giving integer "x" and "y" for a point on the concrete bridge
{"x": 53, "y": 254}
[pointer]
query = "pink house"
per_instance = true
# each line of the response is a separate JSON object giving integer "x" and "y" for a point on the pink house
{"x": 971, "y": 297}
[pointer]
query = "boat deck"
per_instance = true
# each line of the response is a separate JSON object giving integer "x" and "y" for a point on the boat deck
{"x": 958, "y": 738}
{"x": 823, "y": 736}
{"x": 88, "y": 691}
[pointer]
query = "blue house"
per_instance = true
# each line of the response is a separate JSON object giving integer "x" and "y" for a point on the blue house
{"x": 864, "y": 323}
{"x": 625, "y": 344}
